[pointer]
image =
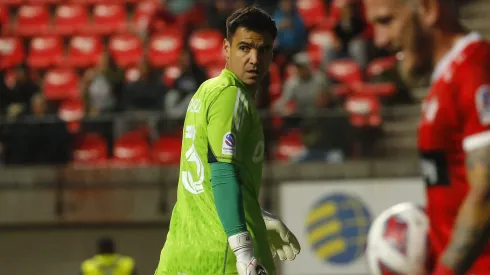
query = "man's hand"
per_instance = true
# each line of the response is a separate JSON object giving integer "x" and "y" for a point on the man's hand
{"x": 283, "y": 242}
{"x": 246, "y": 263}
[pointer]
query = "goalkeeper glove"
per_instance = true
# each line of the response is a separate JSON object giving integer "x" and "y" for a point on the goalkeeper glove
{"x": 283, "y": 242}
{"x": 246, "y": 263}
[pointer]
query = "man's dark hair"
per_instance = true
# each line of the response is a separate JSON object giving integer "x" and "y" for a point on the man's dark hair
{"x": 106, "y": 245}
{"x": 252, "y": 18}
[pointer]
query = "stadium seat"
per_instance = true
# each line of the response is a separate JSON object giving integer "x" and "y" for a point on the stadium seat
{"x": 11, "y": 52}
{"x": 70, "y": 19}
{"x": 90, "y": 149}
{"x": 275, "y": 86}
{"x": 344, "y": 71}
{"x": 318, "y": 40}
{"x": 108, "y": 19}
{"x": 45, "y": 52}
{"x": 126, "y": 49}
{"x": 83, "y": 52}
{"x": 378, "y": 89}
{"x": 142, "y": 14}
{"x": 72, "y": 111}
{"x": 312, "y": 12}
{"x": 170, "y": 74}
{"x": 166, "y": 150}
{"x": 32, "y": 20}
{"x": 165, "y": 48}
{"x": 12, "y": 2}
{"x": 44, "y": 2}
{"x": 364, "y": 110}
{"x": 290, "y": 146}
{"x": 380, "y": 65}
{"x": 131, "y": 149}
{"x": 60, "y": 84}
{"x": 4, "y": 20}
{"x": 207, "y": 46}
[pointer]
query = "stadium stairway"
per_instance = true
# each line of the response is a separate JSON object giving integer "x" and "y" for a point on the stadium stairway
{"x": 401, "y": 122}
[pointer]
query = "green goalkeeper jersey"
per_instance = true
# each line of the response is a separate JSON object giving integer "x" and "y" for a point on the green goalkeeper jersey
{"x": 221, "y": 124}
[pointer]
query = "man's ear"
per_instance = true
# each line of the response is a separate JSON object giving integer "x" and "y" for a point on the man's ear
{"x": 226, "y": 48}
{"x": 430, "y": 11}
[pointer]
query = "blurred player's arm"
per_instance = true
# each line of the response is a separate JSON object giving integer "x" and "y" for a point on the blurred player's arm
{"x": 283, "y": 242}
{"x": 472, "y": 228}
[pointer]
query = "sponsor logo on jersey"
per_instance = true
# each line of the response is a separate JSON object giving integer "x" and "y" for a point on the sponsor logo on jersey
{"x": 429, "y": 109}
{"x": 229, "y": 144}
{"x": 483, "y": 104}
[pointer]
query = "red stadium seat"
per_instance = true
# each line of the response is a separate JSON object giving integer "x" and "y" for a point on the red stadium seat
{"x": 44, "y": 2}
{"x": 312, "y": 12}
{"x": 32, "y": 20}
{"x": 12, "y": 2}
{"x": 72, "y": 111}
{"x": 381, "y": 65}
{"x": 90, "y": 149}
{"x": 290, "y": 146}
{"x": 131, "y": 149}
{"x": 60, "y": 84}
{"x": 206, "y": 45}
{"x": 126, "y": 49}
{"x": 4, "y": 20}
{"x": 345, "y": 71}
{"x": 165, "y": 48}
{"x": 170, "y": 74}
{"x": 84, "y": 52}
{"x": 132, "y": 74}
{"x": 11, "y": 52}
{"x": 45, "y": 52}
{"x": 318, "y": 40}
{"x": 108, "y": 19}
{"x": 166, "y": 150}
{"x": 364, "y": 110}
{"x": 378, "y": 89}
{"x": 142, "y": 14}
{"x": 70, "y": 19}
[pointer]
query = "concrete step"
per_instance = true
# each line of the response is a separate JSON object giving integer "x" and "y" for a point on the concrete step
{"x": 419, "y": 93}
{"x": 405, "y": 144}
{"x": 402, "y": 127}
{"x": 476, "y": 9}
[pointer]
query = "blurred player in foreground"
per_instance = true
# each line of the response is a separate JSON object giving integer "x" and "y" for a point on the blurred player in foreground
{"x": 107, "y": 261}
{"x": 454, "y": 131}
{"x": 217, "y": 225}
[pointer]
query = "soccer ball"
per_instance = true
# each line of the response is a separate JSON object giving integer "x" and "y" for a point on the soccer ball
{"x": 397, "y": 240}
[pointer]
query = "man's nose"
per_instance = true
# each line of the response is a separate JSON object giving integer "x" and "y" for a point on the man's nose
{"x": 254, "y": 57}
{"x": 381, "y": 38}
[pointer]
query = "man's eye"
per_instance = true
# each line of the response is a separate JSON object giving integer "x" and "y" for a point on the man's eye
{"x": 244, "y": 48}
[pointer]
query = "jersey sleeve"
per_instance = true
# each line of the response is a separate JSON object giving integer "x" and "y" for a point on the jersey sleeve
{"x": 475, "y": 91}
{"x": 227, "y": 119}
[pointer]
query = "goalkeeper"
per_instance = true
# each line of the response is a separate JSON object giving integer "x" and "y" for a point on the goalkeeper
{"x": 217, "y": 225}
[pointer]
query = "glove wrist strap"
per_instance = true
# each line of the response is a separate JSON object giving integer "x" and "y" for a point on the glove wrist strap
{"x": 242, "y": 245}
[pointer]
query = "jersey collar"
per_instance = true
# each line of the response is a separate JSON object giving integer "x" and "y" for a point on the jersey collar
{"x": 239, "y": 82}
{"x": 452, "y": 54}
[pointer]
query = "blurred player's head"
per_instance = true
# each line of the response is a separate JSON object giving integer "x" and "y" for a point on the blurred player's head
{"x": 250, "y": 34}
{"x": 105, "y": 245}
{"x": 410, "y": 28}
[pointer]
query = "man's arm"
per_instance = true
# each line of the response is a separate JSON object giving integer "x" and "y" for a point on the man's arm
{"x": 472, "y": 228}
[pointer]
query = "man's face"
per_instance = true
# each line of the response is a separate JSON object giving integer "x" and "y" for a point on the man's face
{"x": 398, "y": 27}
{"x": 249, "y": 55}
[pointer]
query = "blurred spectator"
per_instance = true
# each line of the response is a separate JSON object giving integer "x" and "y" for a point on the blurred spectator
{"x": 349, "y": 30}
{"x": 307, "y": 88}
{"x": 100, "y": 84}
{"x": 217, "y": 12}
{"x": 108, "y": 261}
{"x": 16, "y": 99}
{"x": 192, "y": 76}
{"x": 37, "y": 139}
{"x": 146, "y": 93}
{"x": 291, "y": 36}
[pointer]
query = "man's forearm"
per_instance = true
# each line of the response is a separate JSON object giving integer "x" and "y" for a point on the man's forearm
{"x": 472, "y": 228}
{"x": 469, "y": 237}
